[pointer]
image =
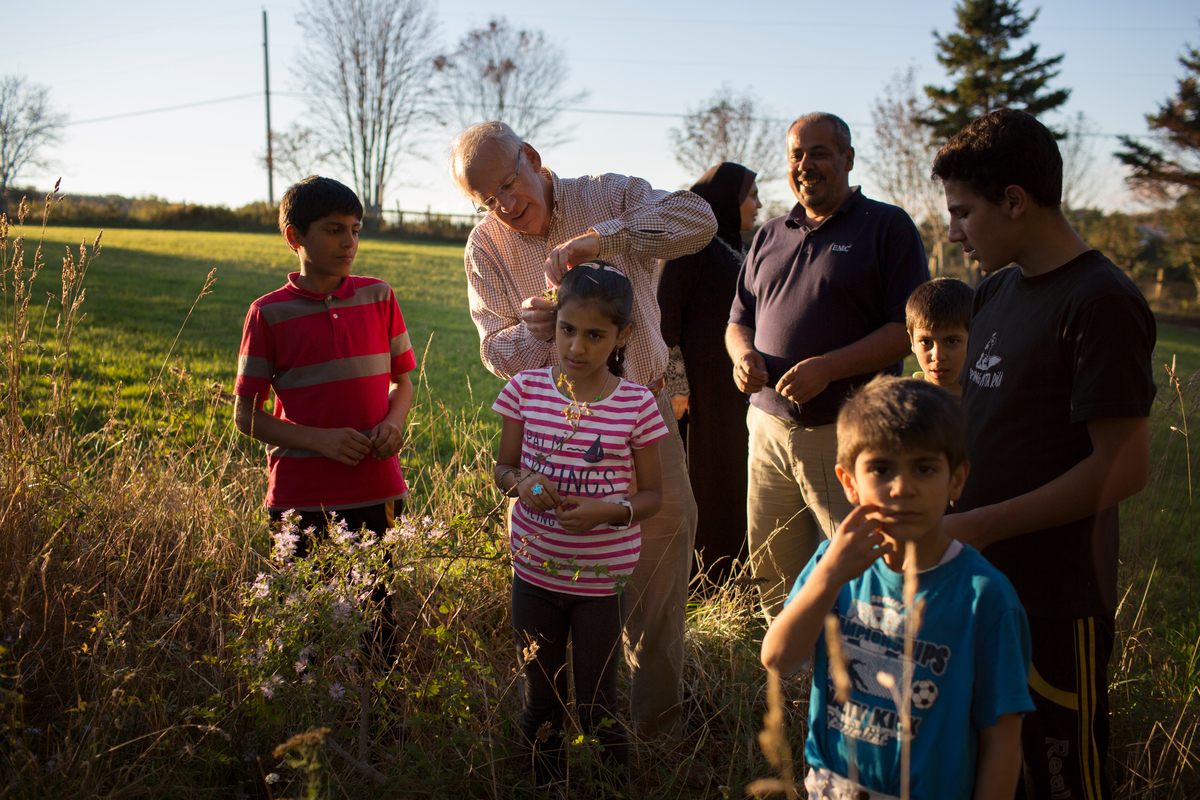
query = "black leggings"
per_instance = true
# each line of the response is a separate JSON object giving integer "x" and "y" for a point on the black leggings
{"x": 546, "y": 617}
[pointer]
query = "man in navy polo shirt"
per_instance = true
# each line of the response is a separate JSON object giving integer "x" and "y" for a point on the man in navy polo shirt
{"x": 819, "y": 311}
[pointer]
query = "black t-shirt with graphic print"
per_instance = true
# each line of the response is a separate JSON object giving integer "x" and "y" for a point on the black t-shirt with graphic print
{"x": 1047, "y": 354}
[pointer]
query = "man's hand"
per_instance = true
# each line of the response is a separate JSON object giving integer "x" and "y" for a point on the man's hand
{"x": 855, "y": 547}
{"x": 750, "y": 372}
{"x": 571, "y": 253}
{"x": 386, "y": 439}
{"x": 342, "y": 444}
{"x": 581, "y": 514}
{"x": 539, "y": 317}
{"x": 804, "y": 381}
{"x": 679, "y": 405}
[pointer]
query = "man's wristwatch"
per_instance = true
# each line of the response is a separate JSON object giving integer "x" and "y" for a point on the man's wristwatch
{"x": 620, "y": 526}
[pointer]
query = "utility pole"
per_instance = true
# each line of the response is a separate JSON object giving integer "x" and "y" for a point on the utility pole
{"x": 267, "y": 94}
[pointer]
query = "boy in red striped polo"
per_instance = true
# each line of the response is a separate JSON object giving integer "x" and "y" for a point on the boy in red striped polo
{"x": 333, "y": 348}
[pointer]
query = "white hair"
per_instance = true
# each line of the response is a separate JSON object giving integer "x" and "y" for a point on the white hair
{"x": 465, "y": 147}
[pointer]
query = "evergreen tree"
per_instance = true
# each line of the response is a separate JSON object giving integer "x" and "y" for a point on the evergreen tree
{"x": 988, "y": 77}
{"x": 1177, "y": 164}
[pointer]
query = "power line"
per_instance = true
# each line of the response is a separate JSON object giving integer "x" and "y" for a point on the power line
{"x": 166, "y": 108}
{"x": 838, "y": 68}
{"x": 612, "y": 112}
{"x": 809, "y": 25}
{"x": 158, "y": 64}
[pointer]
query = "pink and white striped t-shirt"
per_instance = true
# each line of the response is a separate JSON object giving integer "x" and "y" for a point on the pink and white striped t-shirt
{"x": 594, "y": 461}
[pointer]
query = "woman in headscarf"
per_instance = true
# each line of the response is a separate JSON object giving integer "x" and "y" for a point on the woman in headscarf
{"x": 695, "y": 293}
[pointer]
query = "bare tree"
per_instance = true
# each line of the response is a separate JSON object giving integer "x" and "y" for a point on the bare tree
{"x": 730, "y": 127}
{"x": 900, "y": 159}
{"x": 367, "y": 71}
{"x": 296, "y": 153}
{"x": 28, "y": 125}
{"x": 514, "y": 76}
{"x": 1081, "y": 184}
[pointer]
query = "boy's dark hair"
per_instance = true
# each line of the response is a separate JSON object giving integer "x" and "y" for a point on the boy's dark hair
{"x": 602, "y": 284}
{"x": 1000, "y": 149}
{"x": 314, "y": 197}
{"x": 892, "y": 414}
{"x": 939, "y": 304}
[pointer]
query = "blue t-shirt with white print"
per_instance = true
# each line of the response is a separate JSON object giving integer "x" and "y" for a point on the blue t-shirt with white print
{"x": 971, "y": 658}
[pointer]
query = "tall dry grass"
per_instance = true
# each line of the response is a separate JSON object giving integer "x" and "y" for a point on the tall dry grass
{"x": 130, "y": 550}
{"x": 127, "y": 556}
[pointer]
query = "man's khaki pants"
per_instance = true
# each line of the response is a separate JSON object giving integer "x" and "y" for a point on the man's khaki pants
{"x": 655, "y": 598}
{"x": 794, "y": 500}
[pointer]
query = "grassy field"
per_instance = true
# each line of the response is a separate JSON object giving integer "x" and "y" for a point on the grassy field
{"x": 139, "y": 294}
{"x": 140, "y": 290}
{"x": 138, "y": 657}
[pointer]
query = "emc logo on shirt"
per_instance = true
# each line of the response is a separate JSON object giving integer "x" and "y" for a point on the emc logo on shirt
{"x": 840, "y": 248}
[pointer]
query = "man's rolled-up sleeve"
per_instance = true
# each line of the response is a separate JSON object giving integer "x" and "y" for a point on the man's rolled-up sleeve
{"x": 505, "y": 344}
{"x": 650, "y": 222}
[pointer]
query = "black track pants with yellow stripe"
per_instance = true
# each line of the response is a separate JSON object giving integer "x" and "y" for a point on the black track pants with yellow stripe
{"x": 1065, "y": 741}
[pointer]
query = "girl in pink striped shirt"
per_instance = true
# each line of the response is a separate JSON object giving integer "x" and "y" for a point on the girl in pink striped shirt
{"x": 574, "y": 436}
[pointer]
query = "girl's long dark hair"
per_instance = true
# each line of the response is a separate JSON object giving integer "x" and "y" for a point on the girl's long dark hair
{"x": 603, "y": 285}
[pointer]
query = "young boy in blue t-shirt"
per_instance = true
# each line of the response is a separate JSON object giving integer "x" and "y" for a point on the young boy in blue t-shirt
{"x": 901, "y": 460}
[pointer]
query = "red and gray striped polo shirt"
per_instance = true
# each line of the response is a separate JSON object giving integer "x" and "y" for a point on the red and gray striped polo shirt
{"x": 330, "y": 359}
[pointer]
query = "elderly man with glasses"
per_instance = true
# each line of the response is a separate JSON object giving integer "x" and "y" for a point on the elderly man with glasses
{"x": 537, "y": 226}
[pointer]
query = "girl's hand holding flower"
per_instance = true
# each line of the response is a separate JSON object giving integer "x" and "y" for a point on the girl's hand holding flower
{"x": 537, "y": 491}
{"x": 583, "y": 514}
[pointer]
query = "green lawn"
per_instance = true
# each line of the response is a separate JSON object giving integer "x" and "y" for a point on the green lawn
{"x": 1183, "y": 344}
{"x": 141, "y": 286}
{"x": 140, "y": 289}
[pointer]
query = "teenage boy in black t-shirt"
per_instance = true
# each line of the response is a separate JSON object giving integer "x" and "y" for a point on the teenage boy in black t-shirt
{"x": 1057, "y": 391}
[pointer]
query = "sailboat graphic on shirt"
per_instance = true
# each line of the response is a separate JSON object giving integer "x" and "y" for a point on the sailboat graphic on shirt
{"x": 595, "y": 453}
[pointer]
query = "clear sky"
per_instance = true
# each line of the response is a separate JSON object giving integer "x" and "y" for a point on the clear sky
{"x": 106, "y": 59}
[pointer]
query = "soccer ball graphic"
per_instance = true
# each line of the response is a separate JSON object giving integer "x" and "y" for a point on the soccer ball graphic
{"x": 924, "y": 694}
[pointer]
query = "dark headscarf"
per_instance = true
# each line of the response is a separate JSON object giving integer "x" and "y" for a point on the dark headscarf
{"x": 725, "y": 187}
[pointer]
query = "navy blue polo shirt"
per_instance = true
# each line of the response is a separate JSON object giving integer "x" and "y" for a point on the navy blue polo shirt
{"x": 807, "y": 291}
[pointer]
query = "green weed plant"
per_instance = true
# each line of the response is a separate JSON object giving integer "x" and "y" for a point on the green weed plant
{"x": 157, "y": 641}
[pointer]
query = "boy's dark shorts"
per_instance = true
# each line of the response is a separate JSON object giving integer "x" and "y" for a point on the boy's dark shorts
{"x": 377, "y": 518}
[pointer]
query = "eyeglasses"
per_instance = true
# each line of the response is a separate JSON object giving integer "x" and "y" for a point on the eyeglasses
{"x": 506, "y": 190}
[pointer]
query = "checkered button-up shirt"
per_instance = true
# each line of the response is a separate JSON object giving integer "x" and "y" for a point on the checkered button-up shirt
{"x": 636, "y": 224}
